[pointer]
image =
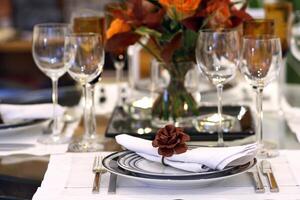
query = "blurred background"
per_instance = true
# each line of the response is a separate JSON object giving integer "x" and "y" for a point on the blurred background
{"x": 18, "y": 71}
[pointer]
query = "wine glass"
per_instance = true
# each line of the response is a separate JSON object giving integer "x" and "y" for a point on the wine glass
{"x": 260, "y": 63}
{"x": 90, "y": 21}
{"x": 217, "y": 55}
{"x": 48, "y": 54}
{"x": 84, "y": 58}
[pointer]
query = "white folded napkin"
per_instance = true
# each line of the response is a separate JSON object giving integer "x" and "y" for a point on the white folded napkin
{"x": 195, "y": 160}
{"x": 37, "y": 111}
{"x": 292, "y": 116}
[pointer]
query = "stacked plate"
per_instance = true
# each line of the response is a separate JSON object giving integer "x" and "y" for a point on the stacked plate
{"x": 131, "y": 165}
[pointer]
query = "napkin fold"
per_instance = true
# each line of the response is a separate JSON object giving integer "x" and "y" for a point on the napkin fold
{"x": 11, "y": 112}
{"x": 195, "y": 160}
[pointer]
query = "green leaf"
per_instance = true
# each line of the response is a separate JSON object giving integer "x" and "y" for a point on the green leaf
{"x": 147, "y": 31}
{"x": 189, "y": 39}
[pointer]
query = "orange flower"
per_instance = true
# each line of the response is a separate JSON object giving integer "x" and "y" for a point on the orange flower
{"x": 117, "y": 26}
{"x": 220, "y": 11}
{"x": 180, "y": 9}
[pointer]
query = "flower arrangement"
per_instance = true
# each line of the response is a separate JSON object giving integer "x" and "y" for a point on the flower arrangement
{"x": 170, "y": 25}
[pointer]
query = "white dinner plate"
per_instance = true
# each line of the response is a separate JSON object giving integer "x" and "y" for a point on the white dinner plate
{"x": 132, "y": 162}
{"x": 111, "y": 165}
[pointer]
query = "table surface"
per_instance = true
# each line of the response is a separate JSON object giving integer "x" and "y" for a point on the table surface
{"x": 28, "y": 174}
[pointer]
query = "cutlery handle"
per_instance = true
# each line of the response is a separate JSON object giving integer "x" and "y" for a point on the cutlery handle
{"x": 96, "y": 184}
{"x": 112, "y": 184}
{"x": 273, "y": 183}
{"x": 259, "y": 187}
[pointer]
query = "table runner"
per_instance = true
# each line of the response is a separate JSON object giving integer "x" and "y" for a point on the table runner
{"x": 69, "y": 176}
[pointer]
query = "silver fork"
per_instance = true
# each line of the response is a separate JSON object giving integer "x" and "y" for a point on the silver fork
{"x": 97, "y": 169}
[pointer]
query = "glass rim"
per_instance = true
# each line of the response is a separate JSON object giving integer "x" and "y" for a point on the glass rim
{"x": 51, "y": 25}
{"x": 262, "y": 37}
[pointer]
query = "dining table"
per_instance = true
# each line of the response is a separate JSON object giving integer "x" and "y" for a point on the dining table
{"x": 63, "y": 175}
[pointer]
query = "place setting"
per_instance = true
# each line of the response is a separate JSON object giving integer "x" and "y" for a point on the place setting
{"x": 168, "y": 100}
{"x": 146, "y": 165}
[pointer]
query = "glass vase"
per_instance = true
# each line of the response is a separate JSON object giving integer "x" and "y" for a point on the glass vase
{"x": 175, "y": 103}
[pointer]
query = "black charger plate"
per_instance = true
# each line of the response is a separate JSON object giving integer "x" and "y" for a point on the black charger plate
{"x": 121, "y": 122}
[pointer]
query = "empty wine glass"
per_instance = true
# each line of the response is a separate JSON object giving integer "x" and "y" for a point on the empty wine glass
{"x": 217, "y": 55}
{"x": 260, "y": 63}
{"x": 90, "y": 21}
{"x": 48, "y": 53}
{"x": 84, "y": 58}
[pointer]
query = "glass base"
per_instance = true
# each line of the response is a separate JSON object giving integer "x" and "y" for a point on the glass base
{"x": 210, "y": 123}
{"x": 86, "y": 146}
{"x": 51, "y": 139}
{"x": 267, "y": 149}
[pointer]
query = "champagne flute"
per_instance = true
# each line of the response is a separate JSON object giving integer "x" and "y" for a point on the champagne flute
{"x": 84, "y": 58}
{"x": 48, "y": 53}
{"x": 217, "y": 55}
{"x": 260, "y": 63}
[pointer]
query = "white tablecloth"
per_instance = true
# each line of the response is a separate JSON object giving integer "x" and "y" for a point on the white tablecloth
{"x": 69, "y": 176}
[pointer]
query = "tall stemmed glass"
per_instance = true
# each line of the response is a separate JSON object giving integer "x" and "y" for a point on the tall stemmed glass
{"x": 217, "y": 55}
{"x": 90, "y": 21}
{"x": 48, "y": 54}
{"x": 260, "y": 63}
{"x": 84, "y": 58}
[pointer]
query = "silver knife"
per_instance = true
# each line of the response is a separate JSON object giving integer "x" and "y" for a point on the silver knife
{"x": 259, "y": 187}
{"x": 267, "y": 171}
{"x": 112, "y": 186}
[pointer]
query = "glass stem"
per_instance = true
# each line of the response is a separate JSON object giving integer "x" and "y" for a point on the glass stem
{"x": 119, "y": 73}
{"x": 220, "y": 128}
{"x": 55, "y": 131}
{"x": 93, "y": 125}
{"x": 259, "y": 113}
{"x": 87, "y": 109}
